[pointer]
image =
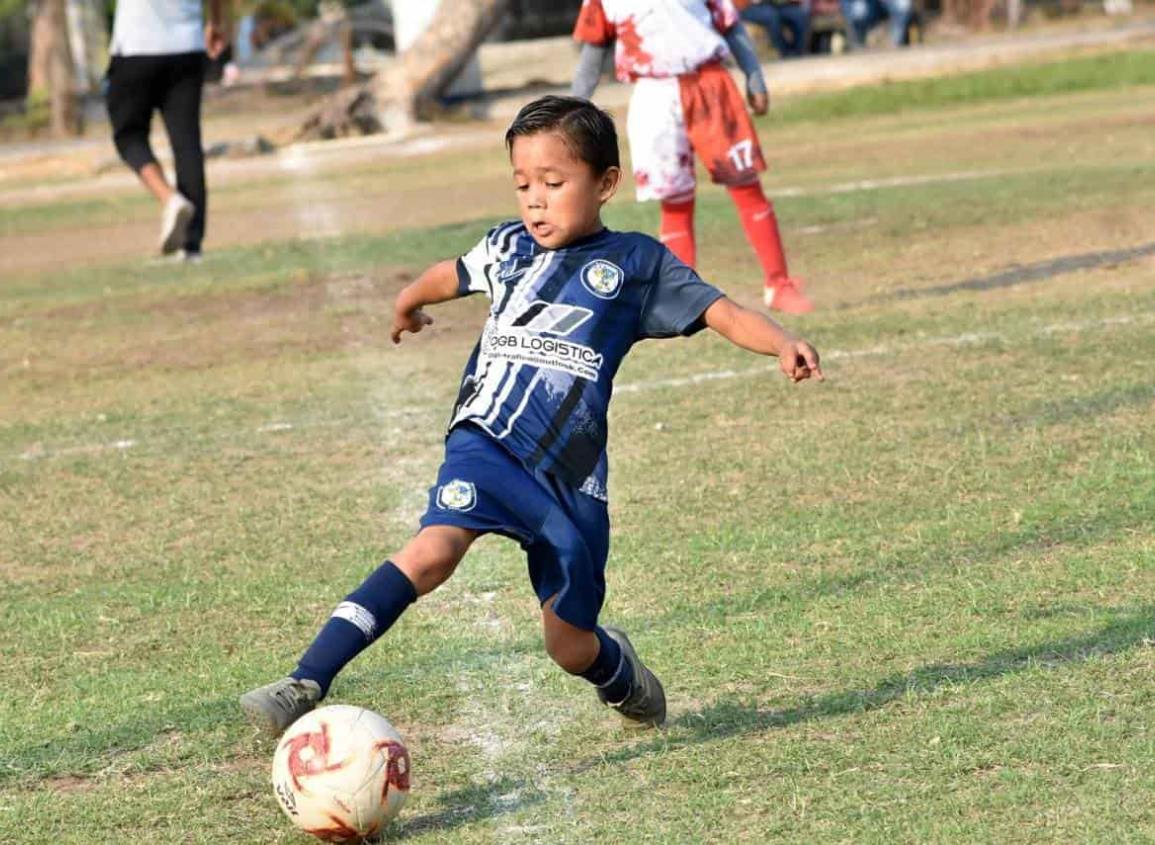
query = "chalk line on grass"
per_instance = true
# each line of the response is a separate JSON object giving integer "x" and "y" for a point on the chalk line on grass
{"x": 316, "y": 217}
{"x": 427, "y": 412}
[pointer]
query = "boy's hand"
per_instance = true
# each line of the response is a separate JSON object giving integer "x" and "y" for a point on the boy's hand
{"x": 409, "y": 321}
{"x": 759, "y": 101}
{"x": 798, "y": 361}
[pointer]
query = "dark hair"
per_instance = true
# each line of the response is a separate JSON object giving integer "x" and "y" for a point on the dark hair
{"x": 588, "y": 131}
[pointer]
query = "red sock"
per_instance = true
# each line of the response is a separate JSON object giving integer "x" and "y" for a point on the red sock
{"x": 677, "y": 230}
{"x": 761, "y": 227}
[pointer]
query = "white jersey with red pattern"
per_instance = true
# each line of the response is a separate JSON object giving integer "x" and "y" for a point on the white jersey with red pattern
{"x": 657, "y": 38}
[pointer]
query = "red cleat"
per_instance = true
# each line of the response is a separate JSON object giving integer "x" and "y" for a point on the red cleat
{"x": 786, "y": 296}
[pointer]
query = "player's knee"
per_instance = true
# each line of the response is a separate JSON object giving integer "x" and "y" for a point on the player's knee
{"x": 430, "y": 558}
{"x": 133, "y": 150}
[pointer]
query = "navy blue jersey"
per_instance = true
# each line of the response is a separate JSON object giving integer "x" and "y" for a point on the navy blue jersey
{"x": 560, "y": 323}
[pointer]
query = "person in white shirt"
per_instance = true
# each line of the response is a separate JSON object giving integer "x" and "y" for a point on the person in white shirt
{"x": 159, "y": 50}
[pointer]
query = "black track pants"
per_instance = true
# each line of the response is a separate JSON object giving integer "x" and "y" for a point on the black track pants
{"x": 172, "y": 84}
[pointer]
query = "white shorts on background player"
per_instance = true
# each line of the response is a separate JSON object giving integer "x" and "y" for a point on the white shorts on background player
{"x": 663, "y": 161}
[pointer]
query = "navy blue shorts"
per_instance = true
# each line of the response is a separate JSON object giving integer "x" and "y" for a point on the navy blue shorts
{"x": 565, "y": 533}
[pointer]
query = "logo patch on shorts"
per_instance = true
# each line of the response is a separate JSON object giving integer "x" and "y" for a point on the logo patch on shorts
{"x": 602, "y": 278}
{"x": 457, "y": 495}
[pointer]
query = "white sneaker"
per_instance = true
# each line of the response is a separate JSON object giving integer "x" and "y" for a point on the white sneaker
{"x": 174, "y": 219}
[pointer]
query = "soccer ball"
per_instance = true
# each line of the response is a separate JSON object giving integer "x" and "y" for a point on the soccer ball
{"x": 341, "y": 773}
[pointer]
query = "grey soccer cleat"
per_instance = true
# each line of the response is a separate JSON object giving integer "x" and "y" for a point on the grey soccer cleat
{"x": 646, "y": 703}
{"x": 275, "y": 706}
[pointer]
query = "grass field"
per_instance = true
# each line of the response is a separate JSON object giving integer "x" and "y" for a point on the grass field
{"x": 911, "y": 604}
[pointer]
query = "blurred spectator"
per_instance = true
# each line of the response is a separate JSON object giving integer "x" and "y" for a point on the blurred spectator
{"x": 159, "y": 50}
{"x": 787, "y": 22}
{"x": 863, "y": 15}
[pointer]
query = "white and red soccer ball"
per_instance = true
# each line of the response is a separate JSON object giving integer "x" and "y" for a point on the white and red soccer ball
{"x": 341, "y": 773}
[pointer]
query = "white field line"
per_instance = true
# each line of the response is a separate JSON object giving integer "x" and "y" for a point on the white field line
{"x": 316, "y": 217}
{"x": 964, "y": 339}
{"x": 895, "y": 182}
{"x": 38, "y": 452}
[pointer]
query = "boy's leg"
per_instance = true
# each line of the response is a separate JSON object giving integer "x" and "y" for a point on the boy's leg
{"x": 761, "y": 226}
{"x": 606, "y": 658}
{"x": 677, "y": 229}
{"x": 365, "y": 614}
{"x": 567, "y": 568}
{"x": 593, "y": 655}
{"x": 369, "y": 611}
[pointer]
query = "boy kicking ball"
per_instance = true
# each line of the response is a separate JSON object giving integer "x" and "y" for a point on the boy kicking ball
{"x": 525, "y": 455}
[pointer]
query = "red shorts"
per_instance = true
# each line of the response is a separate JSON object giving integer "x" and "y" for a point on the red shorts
{"x": 673, "y": 119}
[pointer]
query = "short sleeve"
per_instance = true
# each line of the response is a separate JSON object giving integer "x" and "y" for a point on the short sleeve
{"x": 677, "y": 300}
{"x": 593, "y": 27}
{"x": 474, "y": 269}
{"x": 723, "y": 13}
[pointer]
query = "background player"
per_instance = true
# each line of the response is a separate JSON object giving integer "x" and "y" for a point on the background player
{"x": 525, "y": 456}
{"x": 685, "y": 103}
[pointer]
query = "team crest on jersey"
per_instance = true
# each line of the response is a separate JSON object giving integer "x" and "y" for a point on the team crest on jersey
{"x": 602, "y": 278}
{"x": 457, "y": 495}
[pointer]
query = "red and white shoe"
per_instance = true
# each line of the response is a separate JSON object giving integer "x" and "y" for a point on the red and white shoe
{"x": 786, "y": 295}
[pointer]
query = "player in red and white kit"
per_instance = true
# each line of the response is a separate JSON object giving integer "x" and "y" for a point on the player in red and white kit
{"x": 685, "y": 103}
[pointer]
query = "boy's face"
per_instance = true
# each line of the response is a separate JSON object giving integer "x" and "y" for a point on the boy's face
{"x": 559, "y": 195}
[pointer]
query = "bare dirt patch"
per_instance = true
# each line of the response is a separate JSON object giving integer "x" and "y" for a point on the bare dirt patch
{"x": 317, "y": 315}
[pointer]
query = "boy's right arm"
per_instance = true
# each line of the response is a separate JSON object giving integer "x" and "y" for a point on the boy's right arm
{"x": 437, "y": 284}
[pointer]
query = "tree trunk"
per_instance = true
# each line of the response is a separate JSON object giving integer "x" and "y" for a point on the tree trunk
{"x": 51, "y": 72}
{"x": 39, "y": 48}
{"x": 393, "y": 100}
{"x": 430, "y": 64}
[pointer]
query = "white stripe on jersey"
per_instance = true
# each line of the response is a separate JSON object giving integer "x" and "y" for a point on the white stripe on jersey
{"x": 485, "y": 406}
{"x": 514, "y": 309}
{"x": 520, "y": 408}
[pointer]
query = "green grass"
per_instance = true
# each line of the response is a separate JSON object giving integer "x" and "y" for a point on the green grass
{"x": 909, "y": 604}
{"x": 1091, "y": 73}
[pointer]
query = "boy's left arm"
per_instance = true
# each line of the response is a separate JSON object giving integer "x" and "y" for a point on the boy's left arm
{"x": 742, "y": 49}
{"x": 797, "y": 359}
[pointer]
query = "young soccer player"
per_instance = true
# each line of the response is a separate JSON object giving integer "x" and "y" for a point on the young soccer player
{"x": 525, "y": 453}
{"x": 685, "y": 103}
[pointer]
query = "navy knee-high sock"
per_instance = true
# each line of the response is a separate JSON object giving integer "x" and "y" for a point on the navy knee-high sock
{"x": 364, "y": 615}
{"x": 610, "y": 672}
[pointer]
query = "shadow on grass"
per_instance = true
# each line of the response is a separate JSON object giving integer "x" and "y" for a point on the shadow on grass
{"x": 1039, "y": 271}
{"x": 1049, "y": 526}
{"x": 725, "y": 719}
{"x": 89, "y": 746}
{"x": 1083, "y": 408}
{"x": 469, "y": 804}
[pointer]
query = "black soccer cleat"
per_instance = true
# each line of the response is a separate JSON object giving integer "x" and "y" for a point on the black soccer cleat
{"x": 645, "y": 706}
